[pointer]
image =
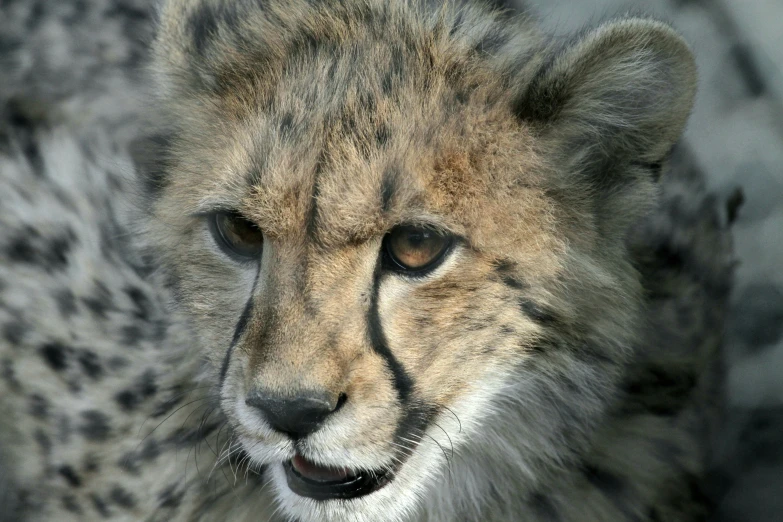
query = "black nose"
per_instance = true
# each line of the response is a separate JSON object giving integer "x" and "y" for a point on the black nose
{"x": 295, "y": 415}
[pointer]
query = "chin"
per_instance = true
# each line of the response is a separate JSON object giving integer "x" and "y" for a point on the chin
{"x": 396, "y": 499}
{"x": 308, "y": 492}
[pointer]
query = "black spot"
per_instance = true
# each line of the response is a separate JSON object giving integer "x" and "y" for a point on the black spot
{"x": 66, "y": 302}
{"x": 662, "y": 391}
{"x": 609, "y": 484}
{"x": 389, "y": 183}
{"x": 543, "y": 507}
{"x": 13, "y": 332}
{"x": 491, "y": 42}
{"x": 131, "y": 335}
{"x": 142, "y": 306}
{"x": 39, "y": 406}
{"x": 122, "y": 498}
{"x": 396, "y": 72}
{"x": 95, "y": 425}
{"x": 142, "y": 390}
{"x": 55, "y": 355}
{"x": 132, "y": 461}
{"x": 203, "y": 26}
{"x": 64, "y": 429}
{"x": 9, "y": 375}
{"x": 536, "y": 312}
{"x": 382, "y": 134}
{"x": 513, "y": 282}
{"x": 71, "y": 505}
{"x": 28, "y": 246}
{"x": 286, "y": 123}
{"x": 100, "y": 506}
{"x": 153, "y": 159}
{"x": 70, "y": 476}
{"x": 749, "y": 70}
{"x": 734, "y": 204}
{"x": 43, "y": 440}
{"x": 90, "y": 364}
{"x": 100, "y": 302}
{"x": 171, "y": 497}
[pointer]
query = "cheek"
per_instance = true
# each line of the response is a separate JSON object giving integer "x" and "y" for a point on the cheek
{"x": 452, "y": 341}
{"x": 210, "y": 289}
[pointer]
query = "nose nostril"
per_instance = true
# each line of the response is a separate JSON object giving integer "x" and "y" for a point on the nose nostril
{"x": 297, "y": 415}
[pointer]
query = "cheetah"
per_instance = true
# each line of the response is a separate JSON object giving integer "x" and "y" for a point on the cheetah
{"x": 388, "y": 261}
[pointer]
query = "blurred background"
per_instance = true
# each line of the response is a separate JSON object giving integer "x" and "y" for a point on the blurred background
{"x": 81, "y": 60}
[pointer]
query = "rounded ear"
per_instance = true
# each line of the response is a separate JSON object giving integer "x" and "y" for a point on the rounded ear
{"x": 202, "y": 45}
{"x": 625, "y": 87}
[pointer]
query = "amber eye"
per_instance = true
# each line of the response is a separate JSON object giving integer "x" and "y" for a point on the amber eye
{"x": 416, "y": 249}
{"x": 237, "y": 236}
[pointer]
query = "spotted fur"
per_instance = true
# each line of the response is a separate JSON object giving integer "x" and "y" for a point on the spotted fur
{"x": 562, "y": 364}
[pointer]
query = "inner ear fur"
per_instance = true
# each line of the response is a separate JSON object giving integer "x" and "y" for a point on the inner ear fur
{"x": 623, "y": 89}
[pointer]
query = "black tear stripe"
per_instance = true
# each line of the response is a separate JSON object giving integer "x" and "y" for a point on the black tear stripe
{"x": 417, "y": 414}
{"x": 240, "y": 328}
{"x": 402, "y": 381}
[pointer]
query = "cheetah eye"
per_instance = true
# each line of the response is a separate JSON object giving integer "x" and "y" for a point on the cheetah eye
{"x": 415, "y": 249}
{"x": 237, "y": 236}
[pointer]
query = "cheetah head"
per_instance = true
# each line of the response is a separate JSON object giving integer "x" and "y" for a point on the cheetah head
{"x": 398, "y": 230}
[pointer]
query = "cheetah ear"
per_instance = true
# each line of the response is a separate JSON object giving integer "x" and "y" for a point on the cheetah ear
{"x": 621, "y": 91}
{"x": 198, "y": 42}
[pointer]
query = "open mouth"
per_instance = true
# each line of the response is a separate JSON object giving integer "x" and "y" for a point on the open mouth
{"x": 310, "y": 480}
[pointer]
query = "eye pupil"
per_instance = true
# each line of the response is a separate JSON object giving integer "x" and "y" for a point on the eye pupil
{"x": 239, "y": 237}
{"x": 415, "y": 249}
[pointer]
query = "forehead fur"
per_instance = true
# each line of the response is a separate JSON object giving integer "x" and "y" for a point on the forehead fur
{"x": 328, "y": 126}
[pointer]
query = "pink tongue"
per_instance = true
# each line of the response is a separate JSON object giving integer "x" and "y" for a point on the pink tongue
{"x": 315, "y": 472}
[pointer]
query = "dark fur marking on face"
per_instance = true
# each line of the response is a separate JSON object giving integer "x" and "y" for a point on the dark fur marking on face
{"x": 389, "y": 182}
{"x": 95, "y": 425}
{"x": 70, "y": 476}
{"x": 402, "y": 381}
{"x": 507, "y": 270}
{"x": 239, "y": 329}
{"x": 382, "y": 134}
{"x": 536, "y": 312}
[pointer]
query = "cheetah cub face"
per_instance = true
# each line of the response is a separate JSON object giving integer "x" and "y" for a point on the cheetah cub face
{"x": 398, "y": 230}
